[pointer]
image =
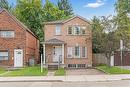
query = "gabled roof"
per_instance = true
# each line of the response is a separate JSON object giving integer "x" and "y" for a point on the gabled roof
{"x": 66, "y": 20}
{"x": 54, "y": 41}
{"x": 17, "y": 21}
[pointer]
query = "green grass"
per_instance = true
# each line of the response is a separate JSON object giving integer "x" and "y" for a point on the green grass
{"x": 113, "y": 70}
{"x": 28, "y": 71}
{"x": 60, "y": 72}
{"x": 2, "y": 70}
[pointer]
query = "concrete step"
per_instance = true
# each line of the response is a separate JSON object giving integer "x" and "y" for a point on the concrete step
{"x": 52, "y": 67}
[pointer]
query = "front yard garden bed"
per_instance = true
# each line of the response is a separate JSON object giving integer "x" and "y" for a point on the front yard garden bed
{"x": 28, "y": 71}
{"x": 113, "y": 70}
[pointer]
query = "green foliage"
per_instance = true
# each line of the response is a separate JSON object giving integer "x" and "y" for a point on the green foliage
{"x": 97, "y": 34}
{"x": 28, "y": 71}
{"x": 2, "y": 70}
{"x": 30, "y": 13}
{"x": 51, "y": 12}
{"x": 60, "y": 72}
{"x": 65, "y": 6}
{"x": 123, "y": 21}
{"x": 5, "y": 4}
{"x": 113, "y": 70}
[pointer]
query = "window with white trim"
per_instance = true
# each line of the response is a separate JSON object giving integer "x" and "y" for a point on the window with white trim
{"x": 84, "y": 51}
{"x": 77, "y": 30}
{"x": 69, "y": 52}
{"x": 7, "y": 34}
{"x": 70, "y": 30}
{"x": 77, "y": 52}
{"x": 58, "y": 30}
{"x": 83, "y": 30}
{"x": 4, "y": 55}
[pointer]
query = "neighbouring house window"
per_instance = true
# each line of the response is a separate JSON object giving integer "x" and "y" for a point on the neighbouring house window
{"x": 7, "y": 34}
{"x": 77, "y": 30}
{"x": 70, "y": 30}
{"x": 77, "y": 51}
{"x": 84, "y": 51}
{"x": 4, "y": 55}
{"x": 69, "y": 52}
{"x": 58, "y": 30}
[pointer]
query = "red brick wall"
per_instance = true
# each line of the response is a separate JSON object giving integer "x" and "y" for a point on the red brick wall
{"x": 71, "y": 40}
{"x": 22, "y": 39}
{"x": 32, "y": 47}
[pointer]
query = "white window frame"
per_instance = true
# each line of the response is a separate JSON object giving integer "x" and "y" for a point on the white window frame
{"x": 71, "y": 30}
{"x": 75, "y": 31}
{"x": 7, "y": 33}
{"x": 83, "y": 28}
{"x": 84, "y": 52}
{"x": 4, "y": 55}
{"x": 69, "y": 52}
{"x": 77, "y": 56}
{"x": 58, "y": 29}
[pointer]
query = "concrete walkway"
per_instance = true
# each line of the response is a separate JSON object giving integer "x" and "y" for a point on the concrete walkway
{"x": 51, "y": 73}
{"x": 66, "y": 78}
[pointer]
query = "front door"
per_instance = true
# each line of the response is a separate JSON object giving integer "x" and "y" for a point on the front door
{"x": 18, "y": 58}
{"x": 57, "y": 52}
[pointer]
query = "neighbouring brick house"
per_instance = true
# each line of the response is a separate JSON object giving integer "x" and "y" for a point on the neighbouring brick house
{"x": 17, "y": 43}
{"x": 68, "y": 43}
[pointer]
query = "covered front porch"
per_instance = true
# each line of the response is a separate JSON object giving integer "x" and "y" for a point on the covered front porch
{"x": 53, "y": 50}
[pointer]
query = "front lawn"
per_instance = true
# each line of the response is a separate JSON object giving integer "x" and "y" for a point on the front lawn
{"x": 28, "y": 71}
{"x": 60, "y": 72}
{"x": 113, "y": 70}
{"x": 2, "y": 70}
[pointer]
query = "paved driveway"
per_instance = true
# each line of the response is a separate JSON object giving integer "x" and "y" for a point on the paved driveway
{"x": 84, "y": 72}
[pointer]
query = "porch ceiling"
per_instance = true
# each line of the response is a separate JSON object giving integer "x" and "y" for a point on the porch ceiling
{"x": 54, "y": 41}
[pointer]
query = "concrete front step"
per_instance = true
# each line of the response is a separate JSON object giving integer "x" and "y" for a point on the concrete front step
{"x": 52, "y": 67}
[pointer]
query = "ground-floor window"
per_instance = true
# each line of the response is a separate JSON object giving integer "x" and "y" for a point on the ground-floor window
{"x": 76, "y": 65}
{"x": 71, "y": 65}
{"x": 77, "y": 52}
{"x": 4, "y": 55}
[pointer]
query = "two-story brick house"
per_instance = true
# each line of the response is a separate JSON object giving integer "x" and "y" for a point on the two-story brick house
{"x": 68, "y": 43}
{"x": 17, "y": 43}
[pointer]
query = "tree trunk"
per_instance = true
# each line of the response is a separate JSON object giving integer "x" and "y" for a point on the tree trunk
{"x": 109, "y": 61}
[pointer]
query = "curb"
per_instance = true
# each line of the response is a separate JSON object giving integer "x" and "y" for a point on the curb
{"x": 32, "y": 81}
{"x": 102, "y": 70}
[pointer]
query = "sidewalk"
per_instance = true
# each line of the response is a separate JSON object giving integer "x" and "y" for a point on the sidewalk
{"x": 65, "y": 78}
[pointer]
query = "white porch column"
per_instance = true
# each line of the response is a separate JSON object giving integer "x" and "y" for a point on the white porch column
{"x": 62, "y": 53}
{"x": 44, "y": 53}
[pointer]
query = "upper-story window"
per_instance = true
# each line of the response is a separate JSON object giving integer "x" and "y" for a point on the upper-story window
{"x": 83, "y": 30}
{"x": 76, "y": 30}
{"x": 7, "y": 33}
{"x": 58, "y": 30}
{"x": 70, "y": 30}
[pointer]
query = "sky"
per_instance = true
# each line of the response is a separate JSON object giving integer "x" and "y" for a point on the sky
{"x": 88, "y": 8}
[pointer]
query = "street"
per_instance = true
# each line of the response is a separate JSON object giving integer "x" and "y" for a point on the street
{"x": 121, "y": 83}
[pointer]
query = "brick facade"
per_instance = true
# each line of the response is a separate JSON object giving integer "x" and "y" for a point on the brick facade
{"x": 70, "y": 40}
{"x": 23, "y": 39}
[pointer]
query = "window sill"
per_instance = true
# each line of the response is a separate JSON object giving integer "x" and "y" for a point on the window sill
{"x": 58, "y": 35}
{"x": 78, "y": 58}
{"x": 77, "y": 35}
